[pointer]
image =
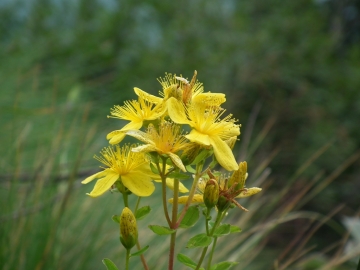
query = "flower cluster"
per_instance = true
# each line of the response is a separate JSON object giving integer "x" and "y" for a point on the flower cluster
{"x": 182, "y": 133}
{"x": 181, "y": 103}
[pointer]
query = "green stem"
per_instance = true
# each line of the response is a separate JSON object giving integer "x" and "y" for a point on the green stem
{"x": 198, "y": 174}
{"x": 207, "y": 220}
{"x": 137, "y": 204}
{"x": 162, "y": 172}
{"x": 127, "y": 259}
{"x": 219, "y": 217}
{"x": 126, "y": 200}
{"x": 173, "y": 224}
{"x": 142, "y": 257}
{"x": 211, "y": 254}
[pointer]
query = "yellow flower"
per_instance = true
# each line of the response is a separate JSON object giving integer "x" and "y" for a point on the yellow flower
{"x": 136, "y": 112}
{"x": 168, "y": 141}
{"x": 183, "y": 91}
{"x": 207, "y": 128}
{"x": 131, "y": 168}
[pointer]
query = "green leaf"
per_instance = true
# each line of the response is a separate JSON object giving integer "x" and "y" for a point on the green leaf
{"x": 116, "y": 218}
{"x": 191, "y": 217}
{"x": 141, "y": 251}
{"x": 204, "y": 154}
{"x": 223, "y": 229}
{"x": 234, "y": 229}
{"x": 223, "y": 265}
{"x": 211, "y": 224}
{"x": 190, "y": 169}
{"x": 154, "y": 169}
{"x": 200, "y": 240}
{"x": 142, "y": 212}
{"x": 109, "y": 264}
{"x": 177, "y": 175}
{"x": 186, "y": 260}
{"x": 161, "y": 230}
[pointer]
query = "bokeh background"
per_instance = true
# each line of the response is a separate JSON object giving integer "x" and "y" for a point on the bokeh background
{"x": 291, "y": 73}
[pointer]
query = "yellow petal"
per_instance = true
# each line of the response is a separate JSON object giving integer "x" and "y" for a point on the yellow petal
{"x": 177, "y": 161}
{"x": 141, "y": 136}
{"x": 102, "y": 185}
{"x": 197, "y": 137}
{"x": 113, "y": 133}
{"x": 176, "y": 111}
{"x": 147, "y": 96}
{"x": 223, "y": 154}
{"x": 138, "y": 183}
{"x": 144, "y": 148}
{"x": 170, "y": 184}
{"x": 132, "y": 125}
{"x": 94, "y": 176}
{"x": 117, "y": 138}
{"x": 198, "y": 198}
{"x": 249, "y": 192}
{"x": 129, "y": 126}
{"x": 210, "y": 99}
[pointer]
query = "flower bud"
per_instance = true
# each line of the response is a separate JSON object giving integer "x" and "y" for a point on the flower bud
{"x": 211, "y": 193}
{"x": 128, "y": 229}
{"x": 247, "y": 192}
{"x": 239, "y": 176}
{"x": 223, "y": 204}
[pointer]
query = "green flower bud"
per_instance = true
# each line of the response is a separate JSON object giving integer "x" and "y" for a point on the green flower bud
{"x": 128, "y": 229}
{"x": 223, "y": 204}
{"x": 211, "y": 193}
{"x": 239, "y": 176}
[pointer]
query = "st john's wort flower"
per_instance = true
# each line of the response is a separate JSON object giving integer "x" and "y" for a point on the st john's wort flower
{"x": 132, "y": 169}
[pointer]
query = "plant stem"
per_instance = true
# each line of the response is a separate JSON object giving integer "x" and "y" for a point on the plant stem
{"x": 163, "y": 185}
{"x": 137, "y": 204}
{"x": 127, "y": 259}
{"x": 198, "y": 174}
{"x": 207, "y": 220}
{"x": 173, "y": 224}
{"x": 219, "y": 217}
{"x": 142, "y": 257}
{"x": 211, "y": 254}
{"x": 125, "y": 198}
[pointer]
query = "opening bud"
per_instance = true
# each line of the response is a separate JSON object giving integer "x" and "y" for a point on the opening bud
{"x": 128, "y": 229}
{"x": 211, "y": 193}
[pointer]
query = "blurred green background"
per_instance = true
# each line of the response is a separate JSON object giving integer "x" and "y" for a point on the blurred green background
{"x": 291, "y": 73}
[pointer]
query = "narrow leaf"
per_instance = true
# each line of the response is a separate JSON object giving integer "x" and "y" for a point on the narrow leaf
{"x": 177, "y": 175}
{"x": 161, "y": 230}
{"x": 142, "y": 212}
{"x": 223, "y": 229}
{"x": 141, "y": 251}
{"x": 190, "y": 169}
{"x": 223, "y": 265}
{"x": 211, "y": 224}
{"x": 200, "y": 240}
{"x": 186, "y": 261}
{"x": 154, "y": 169}
{"x": 116, "y": 218}
{"x": 191, "y": 217}
{"x": 109, "y": 264}
{"x": 204, "y": 154}
{"x": 234, "y": 229}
